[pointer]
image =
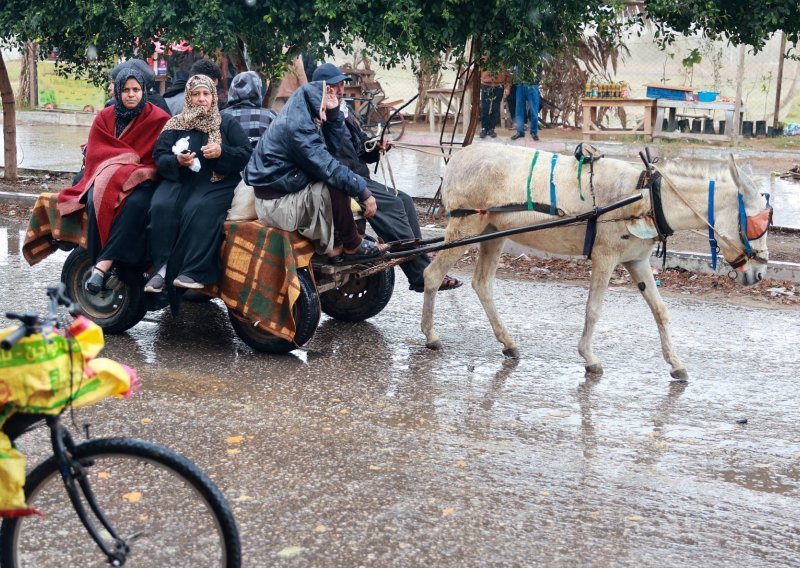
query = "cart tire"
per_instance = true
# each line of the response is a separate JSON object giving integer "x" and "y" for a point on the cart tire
{"x": 115, "y": 310}
{"x": 306, "y": 316}
{"x": 359, "y": 298}
{"x": 196, "y": 297}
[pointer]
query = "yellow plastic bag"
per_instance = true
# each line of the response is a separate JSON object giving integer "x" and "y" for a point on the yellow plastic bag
{"x": 39, "y": 376}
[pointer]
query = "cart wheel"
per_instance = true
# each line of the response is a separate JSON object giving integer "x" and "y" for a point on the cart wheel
{"x": 306, "y": 317}
{"x": 196, "y": 296}
{"x": 115, "y": 310}
{"x": 359, "y": 298}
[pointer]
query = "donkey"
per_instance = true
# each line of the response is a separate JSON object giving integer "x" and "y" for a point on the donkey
{"x": 481, "y": 177}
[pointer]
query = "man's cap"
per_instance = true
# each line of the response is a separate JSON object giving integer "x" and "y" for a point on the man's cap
{"x": 329, "y": 73}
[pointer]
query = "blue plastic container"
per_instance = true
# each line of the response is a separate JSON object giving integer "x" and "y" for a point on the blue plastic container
{"x": 707, "y": 96}
{"x": 666, "y": 93}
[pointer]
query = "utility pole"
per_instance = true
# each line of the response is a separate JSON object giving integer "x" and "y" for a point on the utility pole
{"x": 776, "y": 116}
{"x": 737, "y": 107}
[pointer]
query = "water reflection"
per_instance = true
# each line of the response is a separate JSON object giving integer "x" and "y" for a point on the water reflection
{"x": 418, "y": 173}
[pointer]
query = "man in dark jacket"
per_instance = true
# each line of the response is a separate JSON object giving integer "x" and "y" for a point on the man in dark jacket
{"x": 299, "y": 185}
{"x": 396, "y": 218}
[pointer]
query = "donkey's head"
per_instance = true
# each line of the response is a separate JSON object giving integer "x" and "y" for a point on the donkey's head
{"x": 745, "y": 242}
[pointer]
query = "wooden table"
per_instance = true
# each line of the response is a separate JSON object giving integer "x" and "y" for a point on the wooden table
{"x": 592, "y": 129}
{"x": 437, "y": 100}
{"x": 672, "y": 108}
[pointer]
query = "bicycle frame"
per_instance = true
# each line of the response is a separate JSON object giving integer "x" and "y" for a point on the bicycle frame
{"x": 71, "y": 471}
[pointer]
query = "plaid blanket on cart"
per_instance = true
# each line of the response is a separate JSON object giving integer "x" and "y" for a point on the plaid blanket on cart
{"x": 259, "y": 280}
{"x": 46, "y": 228}
{"x": 259, "y": 263}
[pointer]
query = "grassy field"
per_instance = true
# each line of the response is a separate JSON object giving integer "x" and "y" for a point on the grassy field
{"x": 61, "y": 92}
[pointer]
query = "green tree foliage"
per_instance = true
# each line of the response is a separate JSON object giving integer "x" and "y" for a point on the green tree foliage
{"x": 746, "y": 22}
{"x": 91, "y": 33}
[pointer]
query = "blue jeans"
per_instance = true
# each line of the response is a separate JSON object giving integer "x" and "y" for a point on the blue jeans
{"x": 529, "y": 94}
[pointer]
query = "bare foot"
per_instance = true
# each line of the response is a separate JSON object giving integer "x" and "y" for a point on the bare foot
{"x": 336, "y": 251}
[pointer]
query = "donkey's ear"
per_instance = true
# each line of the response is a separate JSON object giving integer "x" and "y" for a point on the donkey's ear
{"x": 734, "y": 171}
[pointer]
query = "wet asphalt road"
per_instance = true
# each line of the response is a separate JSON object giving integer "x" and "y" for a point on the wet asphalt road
{"x": 366, "y": 449}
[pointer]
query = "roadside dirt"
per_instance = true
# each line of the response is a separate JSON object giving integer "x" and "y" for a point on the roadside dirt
{"x": 783, "y": 246}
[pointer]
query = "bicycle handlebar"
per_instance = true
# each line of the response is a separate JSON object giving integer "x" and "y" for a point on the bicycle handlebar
{"x": 15, "y": 336}
{"x": 31, "y": 324}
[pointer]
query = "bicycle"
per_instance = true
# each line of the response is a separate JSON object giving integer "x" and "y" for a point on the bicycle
{"x": 376, "y": 118}
{"x": 131, "y": 501}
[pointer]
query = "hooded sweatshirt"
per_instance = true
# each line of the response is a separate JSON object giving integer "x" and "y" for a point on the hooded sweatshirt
{"x": 244, "y": 104}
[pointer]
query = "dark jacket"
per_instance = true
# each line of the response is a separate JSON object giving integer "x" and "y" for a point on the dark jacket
{"x": 294, "y": 152}
{"x": 352, "y": 152}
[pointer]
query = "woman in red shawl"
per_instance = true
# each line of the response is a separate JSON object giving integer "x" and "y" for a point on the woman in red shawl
{"x": 119, "y": 176}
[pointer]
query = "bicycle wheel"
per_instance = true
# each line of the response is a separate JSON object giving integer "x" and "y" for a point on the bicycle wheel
{"x": 165, "y": 509}
{"x": 397, "y": 123}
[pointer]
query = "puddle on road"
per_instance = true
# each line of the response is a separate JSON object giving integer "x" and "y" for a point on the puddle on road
{"x": 47, "y": 146}
{"x": 760, "y": 478}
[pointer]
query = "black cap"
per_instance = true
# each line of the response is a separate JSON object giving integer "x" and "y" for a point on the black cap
{"x": 329, "y": 73}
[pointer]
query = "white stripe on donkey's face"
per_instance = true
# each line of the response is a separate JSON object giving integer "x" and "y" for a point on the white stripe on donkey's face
{"x": 485, "y": 175}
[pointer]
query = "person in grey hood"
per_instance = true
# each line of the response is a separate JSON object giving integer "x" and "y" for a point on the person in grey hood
{"x": 300, "y": 186}
{"x": 245, "y": 96}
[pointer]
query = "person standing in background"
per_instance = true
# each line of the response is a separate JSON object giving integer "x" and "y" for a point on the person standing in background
{"x": 527, "y": 93}
{"x": 493, "y": 87}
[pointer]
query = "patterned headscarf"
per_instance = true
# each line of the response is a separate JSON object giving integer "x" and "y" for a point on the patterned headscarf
{"x": 124, "y": 115}
{"x": 195, "y": 117}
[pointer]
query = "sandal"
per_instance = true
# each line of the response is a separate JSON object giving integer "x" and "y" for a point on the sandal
{"x": 100, "y": 280}
{"x": 448, "y": 283}
{"x": 367, "y": 250}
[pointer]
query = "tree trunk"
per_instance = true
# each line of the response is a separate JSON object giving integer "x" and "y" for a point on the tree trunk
{"x": 473, "y": 86}
{"x": 9, "y": 123}
{"x": 28, "y": 80}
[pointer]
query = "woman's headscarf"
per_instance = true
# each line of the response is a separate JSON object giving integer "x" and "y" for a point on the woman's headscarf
{"x": 124, "y": 115}
{"x": 196, "y": 117}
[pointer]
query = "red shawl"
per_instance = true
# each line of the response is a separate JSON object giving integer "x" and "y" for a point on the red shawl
{"x": 115, "y": 165}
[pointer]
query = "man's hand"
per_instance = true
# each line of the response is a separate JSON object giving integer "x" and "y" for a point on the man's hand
{"x": 185, "y": 160}
{"x": 331, "y": 98}
{"x": 385, "y": 144}
{"x": 211, "y": 151}
{"x": 370, "y": 206}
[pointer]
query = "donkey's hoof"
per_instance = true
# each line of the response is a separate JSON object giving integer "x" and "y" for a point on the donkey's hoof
{"x": 511, "y": 352}
{"x": 434, "y": 345}
{"x": 594, "y": 371}
{"x": 680, "y": 375}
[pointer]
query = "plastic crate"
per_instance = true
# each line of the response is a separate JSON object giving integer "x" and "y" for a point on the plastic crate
{"x": 671, "y": 94}
{"x": 707, "y": 96}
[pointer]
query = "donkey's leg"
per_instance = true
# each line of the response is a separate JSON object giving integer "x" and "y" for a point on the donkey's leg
{"x": 483, "y": 284}
{"x": 434, "y": 275}
{"x": 642, "y": 274}
{"x": 602, "y": 267}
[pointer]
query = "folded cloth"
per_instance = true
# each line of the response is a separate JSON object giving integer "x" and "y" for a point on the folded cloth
{"x": 46, "y": 227}
{"x": 260, "y": 280}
